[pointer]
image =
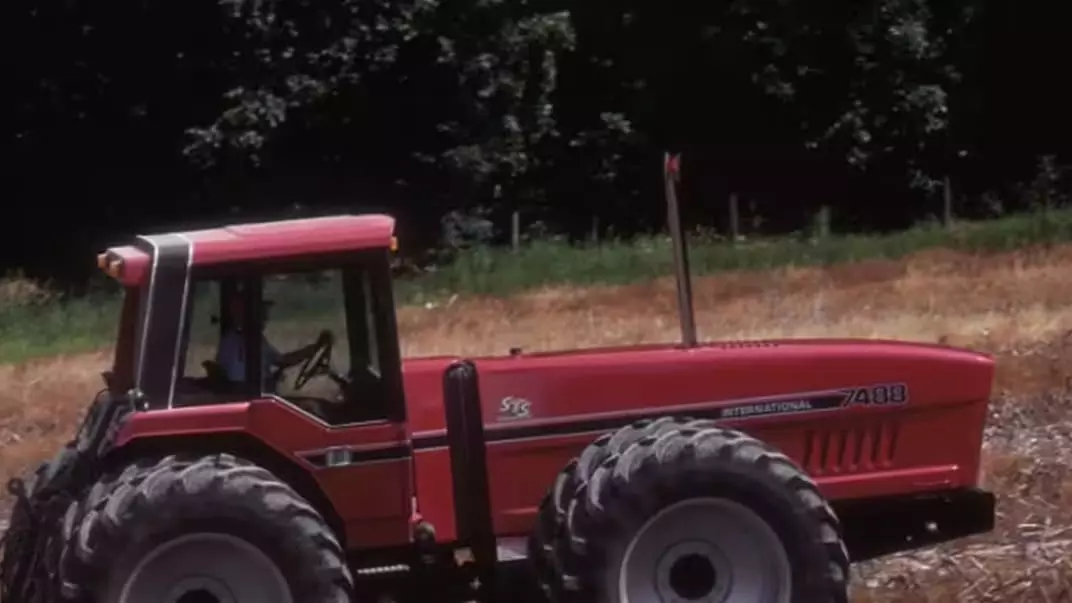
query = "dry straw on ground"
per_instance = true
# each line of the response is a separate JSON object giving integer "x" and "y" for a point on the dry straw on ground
{"x": 1016, "y": 306}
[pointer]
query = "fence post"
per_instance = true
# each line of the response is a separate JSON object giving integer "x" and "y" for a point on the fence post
{"x": 947, "y": 202}
{"x": 823, "y": 222}
{"x": 735, "y": 219}
{"x": 515, "y": 230}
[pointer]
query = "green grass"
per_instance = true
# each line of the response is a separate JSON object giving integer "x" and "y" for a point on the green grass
{"x": 497, "y": 272}
{"x": 35, "y": 322}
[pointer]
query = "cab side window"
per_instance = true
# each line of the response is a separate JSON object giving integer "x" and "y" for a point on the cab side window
{"x": 297, "y": 309}
{"x": 326, "y": 339}
{"x": 202, "y": 331}
{"x": 342, "y": 382}
{"x": 198, "y": 382}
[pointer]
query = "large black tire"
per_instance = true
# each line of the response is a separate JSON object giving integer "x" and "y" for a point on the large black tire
{"x": 718, "y": 482}
{"x": 217, "y": 516}
{"x": 552, "y": 518}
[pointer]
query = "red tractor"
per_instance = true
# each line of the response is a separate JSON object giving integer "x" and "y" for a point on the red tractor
{"x": 715, "y": 472}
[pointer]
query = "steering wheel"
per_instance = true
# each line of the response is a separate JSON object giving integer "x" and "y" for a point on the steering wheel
{"x": 317, "y": 364}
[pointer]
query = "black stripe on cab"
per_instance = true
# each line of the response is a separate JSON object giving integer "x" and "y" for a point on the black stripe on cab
{"x": 163, "y": 315}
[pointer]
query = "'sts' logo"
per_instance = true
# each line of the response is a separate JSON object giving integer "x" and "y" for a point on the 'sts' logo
{"x": 512, "y": 409}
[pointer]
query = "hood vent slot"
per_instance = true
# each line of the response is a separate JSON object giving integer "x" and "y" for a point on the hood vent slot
{"x": 853, "y": 450}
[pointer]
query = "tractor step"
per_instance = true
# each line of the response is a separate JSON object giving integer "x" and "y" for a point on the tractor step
{"x": 509, "y": 549}
{"x": 512, "y": 549}
{"x": 382, "y": 570}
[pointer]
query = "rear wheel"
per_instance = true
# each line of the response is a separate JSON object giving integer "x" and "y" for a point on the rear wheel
{"x": 202, "y": 568}
{"x": 213, "y": 529}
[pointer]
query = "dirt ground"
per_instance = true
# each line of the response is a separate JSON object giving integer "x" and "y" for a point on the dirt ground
{"x": 1016, "y": 306}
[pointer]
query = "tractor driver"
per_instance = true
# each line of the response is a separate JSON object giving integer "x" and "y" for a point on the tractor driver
{"x": 231, "y": 353}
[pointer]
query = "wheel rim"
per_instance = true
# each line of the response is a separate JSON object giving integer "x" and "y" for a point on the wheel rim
{"x": 706, "y": 550}
{"x": 205, "y": 568}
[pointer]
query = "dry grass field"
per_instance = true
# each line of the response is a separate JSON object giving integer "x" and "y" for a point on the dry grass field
{"x": 1017, "y": 306}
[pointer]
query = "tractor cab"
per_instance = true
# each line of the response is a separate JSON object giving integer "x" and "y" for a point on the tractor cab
{"x": 311, "y": 299}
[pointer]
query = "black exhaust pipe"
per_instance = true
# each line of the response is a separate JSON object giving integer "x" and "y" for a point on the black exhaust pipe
{"x": 671, "y": 178}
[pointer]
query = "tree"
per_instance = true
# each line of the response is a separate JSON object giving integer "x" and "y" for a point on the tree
{"x": 492, "y": 66}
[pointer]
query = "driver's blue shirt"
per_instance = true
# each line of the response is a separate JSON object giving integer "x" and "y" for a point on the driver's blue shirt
{"x": 231, "y": 355}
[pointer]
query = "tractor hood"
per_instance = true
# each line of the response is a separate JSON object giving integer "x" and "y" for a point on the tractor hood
{"x": 665, "y": 378}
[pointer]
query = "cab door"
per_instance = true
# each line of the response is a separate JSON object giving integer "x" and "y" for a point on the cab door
{"x": 338, "y": 408}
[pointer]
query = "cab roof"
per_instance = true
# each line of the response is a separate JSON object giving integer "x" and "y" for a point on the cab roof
{"x": 269, "y": 241}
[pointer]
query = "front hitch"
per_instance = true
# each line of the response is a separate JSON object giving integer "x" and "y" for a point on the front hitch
{"x": 30, "y": 548}
{"x": 25, "y": 546}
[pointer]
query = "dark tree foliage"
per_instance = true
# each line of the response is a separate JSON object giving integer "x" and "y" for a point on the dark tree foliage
{"x": 452, "y": 114}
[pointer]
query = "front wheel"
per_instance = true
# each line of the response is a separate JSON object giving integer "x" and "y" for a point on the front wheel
{"x": 213, "y": 529}
{"x": 686, "y": 511}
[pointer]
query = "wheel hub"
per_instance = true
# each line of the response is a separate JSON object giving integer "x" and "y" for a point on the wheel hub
{"x": 196, "y": 596}
{"x": 704, "y": 551}
{"x": 693, "y": 571}
{"x": 200, "y": 589}
{"x": 204, "y": 568}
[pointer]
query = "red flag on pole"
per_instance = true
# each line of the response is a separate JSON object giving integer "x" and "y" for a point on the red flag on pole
{"x": 673, "y": 167}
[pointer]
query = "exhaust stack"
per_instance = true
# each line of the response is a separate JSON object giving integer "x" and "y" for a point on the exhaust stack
{"x": 671, "y": 178}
